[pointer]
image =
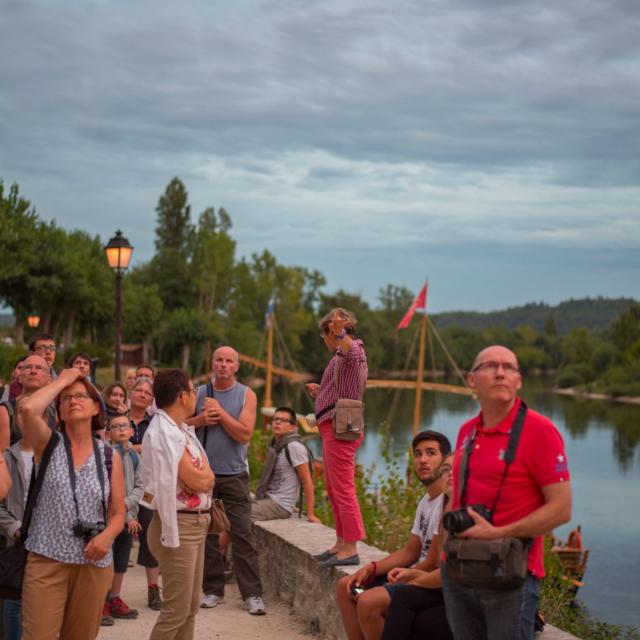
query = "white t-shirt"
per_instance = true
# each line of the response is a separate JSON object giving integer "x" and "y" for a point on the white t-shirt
{"x": 427, "y": 521}
{"x": 284, "y": 485}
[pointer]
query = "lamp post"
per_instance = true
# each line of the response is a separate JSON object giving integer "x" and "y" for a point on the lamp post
{"x": 33, "y": 320}
{"x": 118, "y": 252}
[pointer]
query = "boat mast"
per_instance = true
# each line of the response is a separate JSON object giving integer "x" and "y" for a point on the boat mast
{"x": 418, "y": 402}
{"x": 267, "y": 388}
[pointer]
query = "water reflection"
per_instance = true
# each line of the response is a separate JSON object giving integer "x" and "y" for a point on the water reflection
{"x": 602, "y": 445}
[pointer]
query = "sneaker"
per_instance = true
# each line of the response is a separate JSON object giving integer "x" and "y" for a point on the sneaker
{"x": 255, "y": 606}
{"x": 154, "y": 601}
{"x": 107, "y": 619}
{"x": 210, "y": 600}
{"x": 119, "y": 609}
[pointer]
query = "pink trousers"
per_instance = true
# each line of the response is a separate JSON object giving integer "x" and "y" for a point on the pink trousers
{"x": 339, "y": 461}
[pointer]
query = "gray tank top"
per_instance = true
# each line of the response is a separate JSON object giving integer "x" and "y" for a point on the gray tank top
{"x": 227, "y": 457}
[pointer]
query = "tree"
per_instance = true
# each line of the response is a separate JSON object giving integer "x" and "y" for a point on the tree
{"x": 173, "y": 228}
{"x": 142, "y": 314}
{"x": 213, "y": 260}
{"x": 170, "y": 266}
{"x": 19, "y": 223}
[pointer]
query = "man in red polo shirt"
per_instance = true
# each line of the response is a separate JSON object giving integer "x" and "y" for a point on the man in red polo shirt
{"x": 535, "y": 498}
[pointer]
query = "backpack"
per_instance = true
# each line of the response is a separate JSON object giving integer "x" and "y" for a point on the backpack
{"x": 300, "y": 502}
{"x": 14, "y": 433}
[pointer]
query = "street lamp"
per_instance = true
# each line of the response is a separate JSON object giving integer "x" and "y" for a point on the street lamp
{"x": 118, "y": 252}
{"x": 33, "y": 320}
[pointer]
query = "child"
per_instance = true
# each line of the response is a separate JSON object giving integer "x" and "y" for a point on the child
{"x": 119, "y": 431}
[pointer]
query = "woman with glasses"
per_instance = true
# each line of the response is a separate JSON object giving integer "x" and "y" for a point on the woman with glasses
{"x": 177, "y": 482}
{"x": 344, "y": 377}
{"x": 78, "y": 514}
{"x": 140, "y": 400}
{"x": 417, "y": 604}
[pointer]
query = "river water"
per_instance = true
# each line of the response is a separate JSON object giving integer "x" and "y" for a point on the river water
{"x": 603, "y": 447}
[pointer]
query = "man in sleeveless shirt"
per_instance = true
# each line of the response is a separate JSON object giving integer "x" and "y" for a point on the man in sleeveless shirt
{"x": 225, "y": 418}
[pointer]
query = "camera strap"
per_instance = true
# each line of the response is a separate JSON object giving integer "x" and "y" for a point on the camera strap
{"x": 509, "y": 456}
{"x": 72, "y": 474}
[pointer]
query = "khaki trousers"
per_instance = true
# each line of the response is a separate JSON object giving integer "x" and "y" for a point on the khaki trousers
{"x": 181, "y": 569}
{"x": 61, "y": 598}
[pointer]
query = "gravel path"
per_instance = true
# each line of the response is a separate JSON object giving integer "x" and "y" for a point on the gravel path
{"x": 228, "y": 621}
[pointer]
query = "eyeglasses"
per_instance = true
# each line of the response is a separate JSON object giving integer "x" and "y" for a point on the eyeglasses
{"x": 190, "y": 390}
{"x": 45, "y": 348}
{"x": 282, "y": 421}
{"x": 119, "y": 427}
{"x": 74, "y": 396}
{"x": 33, "y": 367}
{"x": 493, "y": 366}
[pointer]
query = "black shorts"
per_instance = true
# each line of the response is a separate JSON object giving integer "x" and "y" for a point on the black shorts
{"x": 122, "y": 550}
{"x": 145, "y": 557}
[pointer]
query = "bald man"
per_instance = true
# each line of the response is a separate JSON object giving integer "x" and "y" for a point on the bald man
{"x": 534, "y": 497}
{"x": 225, "y": 419}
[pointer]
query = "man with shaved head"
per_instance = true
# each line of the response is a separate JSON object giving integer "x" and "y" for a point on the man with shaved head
{"x": 225, "y": 418}
{"x": 530, "y": 500}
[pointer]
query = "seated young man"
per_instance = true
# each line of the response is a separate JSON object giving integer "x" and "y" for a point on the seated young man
{"x": 287, "y": 465}
{"x": 363, "y": 614}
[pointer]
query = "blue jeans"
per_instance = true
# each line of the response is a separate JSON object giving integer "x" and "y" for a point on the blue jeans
{"x": 490, "y": 614}
{"x": 12, "y": 619}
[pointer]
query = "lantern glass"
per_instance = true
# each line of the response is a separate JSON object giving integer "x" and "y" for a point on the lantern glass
{"x": 118, "y": 252}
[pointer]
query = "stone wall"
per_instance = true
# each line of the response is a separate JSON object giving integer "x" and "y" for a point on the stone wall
{"x": 289, "y": 571}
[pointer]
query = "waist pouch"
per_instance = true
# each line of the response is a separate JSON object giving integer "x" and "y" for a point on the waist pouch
{"x": 348, "y": 419}
{"x": 493, "y": 564}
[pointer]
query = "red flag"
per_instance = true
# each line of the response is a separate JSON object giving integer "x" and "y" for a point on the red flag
{"x": 420, "y": 302}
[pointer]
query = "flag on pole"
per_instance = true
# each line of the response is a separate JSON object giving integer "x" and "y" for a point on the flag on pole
{"x": 269, "y": 313}
{"x": 420, "y": 302}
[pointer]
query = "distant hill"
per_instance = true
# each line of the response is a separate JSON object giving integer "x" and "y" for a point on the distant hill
{"x": 596, "y": 314}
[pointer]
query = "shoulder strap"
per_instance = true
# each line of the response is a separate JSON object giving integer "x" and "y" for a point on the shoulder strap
{"x": 509, "y": 457}
{"x": 108, "y": 459}
{"x": 36, "y": 485}
{"x": 98, "y": 460}
{"x": 10, "y": 406}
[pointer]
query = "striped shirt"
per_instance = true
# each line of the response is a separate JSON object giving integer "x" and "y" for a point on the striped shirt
{"x": 352, "y": 377}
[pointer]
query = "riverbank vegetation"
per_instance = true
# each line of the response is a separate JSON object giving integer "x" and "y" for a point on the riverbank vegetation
{"x": 388, "y": 509}
{"x": 196, "y": 291}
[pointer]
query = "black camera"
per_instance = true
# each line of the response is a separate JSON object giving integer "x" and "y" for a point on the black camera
{"x": 460, "y": 520}
{"x": 87, "y": 530}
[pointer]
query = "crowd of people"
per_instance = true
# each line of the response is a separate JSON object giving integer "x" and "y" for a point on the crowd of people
{"x": 147, "y": 458}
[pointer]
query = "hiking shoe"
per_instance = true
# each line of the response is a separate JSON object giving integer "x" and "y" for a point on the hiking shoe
{"x": 107, "y": 619}
{"x": 119, "y": 609}
{"x": 210, "y": 600}
{"x": 255, "y": 606}
{"x": 154, "y": 601}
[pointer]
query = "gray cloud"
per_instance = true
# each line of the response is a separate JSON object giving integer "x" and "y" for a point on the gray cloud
{"x": 413, "y": 125}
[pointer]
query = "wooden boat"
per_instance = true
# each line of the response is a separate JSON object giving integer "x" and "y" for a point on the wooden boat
{"x": 572, "y": 557}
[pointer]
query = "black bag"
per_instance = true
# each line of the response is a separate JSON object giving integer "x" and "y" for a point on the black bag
{"x": 495, "y": 564}
{"x": 13, "y": 559}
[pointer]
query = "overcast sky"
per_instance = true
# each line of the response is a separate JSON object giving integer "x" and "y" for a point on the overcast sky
{"x": 491, "y": 145}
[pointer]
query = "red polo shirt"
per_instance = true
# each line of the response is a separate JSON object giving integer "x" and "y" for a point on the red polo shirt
{"x": 540, "y": 461}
